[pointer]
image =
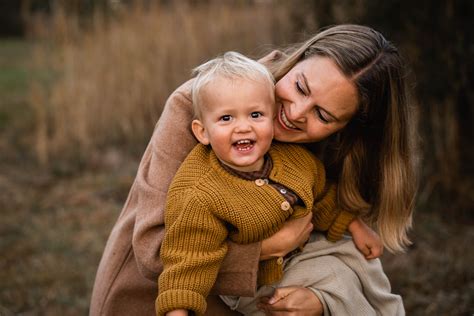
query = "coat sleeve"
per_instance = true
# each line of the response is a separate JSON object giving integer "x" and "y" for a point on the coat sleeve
{"x": 171, "y": 142}
{"x": 327, "y": 215}
{"x": 193, "y": 249}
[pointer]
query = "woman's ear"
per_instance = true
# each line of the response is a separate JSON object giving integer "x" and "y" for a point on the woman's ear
{"x": 200, "y": 132}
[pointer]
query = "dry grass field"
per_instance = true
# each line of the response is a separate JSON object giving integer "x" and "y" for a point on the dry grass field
{"x": 76, "y": 110}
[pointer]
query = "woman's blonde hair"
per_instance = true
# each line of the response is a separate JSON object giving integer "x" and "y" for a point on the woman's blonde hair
{"x": 372, "y": 157}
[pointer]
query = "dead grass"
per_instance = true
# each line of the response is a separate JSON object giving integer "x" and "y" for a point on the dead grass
{"x": 435, "y": 277}
{"x": 53, "y": 232}
{"x": 111, "y": 78}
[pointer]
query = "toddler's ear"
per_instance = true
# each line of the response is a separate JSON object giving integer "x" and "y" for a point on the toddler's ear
{"x": 200, "y": 132}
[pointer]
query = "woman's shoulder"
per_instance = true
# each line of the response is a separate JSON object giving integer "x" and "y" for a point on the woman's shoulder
{"x": 182, "y": 94}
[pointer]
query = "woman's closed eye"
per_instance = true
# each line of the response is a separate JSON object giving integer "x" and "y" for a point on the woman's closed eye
{"x": 322, "y": 116}
{"x": 300, "y": 88}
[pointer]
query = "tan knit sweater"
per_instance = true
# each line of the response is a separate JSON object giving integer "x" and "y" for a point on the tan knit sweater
{"x": 206, "y": 205}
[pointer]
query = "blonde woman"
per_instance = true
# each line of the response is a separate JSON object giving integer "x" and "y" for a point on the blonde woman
{"x": 346, "y": 86}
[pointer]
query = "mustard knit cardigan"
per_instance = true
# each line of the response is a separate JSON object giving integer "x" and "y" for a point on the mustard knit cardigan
{"x": 206, "y": 205}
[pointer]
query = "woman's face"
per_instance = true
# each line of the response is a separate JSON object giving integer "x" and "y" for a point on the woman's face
{"x": 314, "y": 100}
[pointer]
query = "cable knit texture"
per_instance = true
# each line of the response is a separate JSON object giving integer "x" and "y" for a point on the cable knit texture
{"x": 206, "y": 205}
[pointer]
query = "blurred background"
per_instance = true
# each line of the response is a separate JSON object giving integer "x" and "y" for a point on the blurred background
{"x": 82, "y": 84}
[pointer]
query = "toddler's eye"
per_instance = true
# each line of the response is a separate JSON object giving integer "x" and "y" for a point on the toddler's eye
{"x": 226, "y": 118}
{"x": 256, "y": 114}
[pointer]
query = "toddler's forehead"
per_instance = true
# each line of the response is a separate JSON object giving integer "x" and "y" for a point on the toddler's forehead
{"x": 241, "y": 80}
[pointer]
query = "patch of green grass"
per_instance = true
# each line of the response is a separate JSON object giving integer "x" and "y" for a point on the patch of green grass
{"x": 15, "y": 57}
{"x": 16, "y": 115}
{"x": 13, "y": 80}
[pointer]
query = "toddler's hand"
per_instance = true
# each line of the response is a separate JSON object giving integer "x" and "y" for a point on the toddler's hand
{"x": 178, "y": 312}
{"x": 365, "y": 239}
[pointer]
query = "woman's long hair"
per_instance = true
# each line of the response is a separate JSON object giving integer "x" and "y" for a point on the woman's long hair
{"x": 372, "y": 158}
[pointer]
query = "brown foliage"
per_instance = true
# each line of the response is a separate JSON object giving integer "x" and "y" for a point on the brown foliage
{"x": 111, "y": 76}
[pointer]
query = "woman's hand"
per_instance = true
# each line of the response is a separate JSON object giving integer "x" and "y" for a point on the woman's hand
{"x": 291, "y": 300}
{"x": 293, "y": 234}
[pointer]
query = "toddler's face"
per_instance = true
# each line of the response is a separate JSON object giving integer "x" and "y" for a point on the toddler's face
{"x": 237, "y": 121}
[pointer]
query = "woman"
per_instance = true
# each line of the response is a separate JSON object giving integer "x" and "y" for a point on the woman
{"x": 367, "y": 151}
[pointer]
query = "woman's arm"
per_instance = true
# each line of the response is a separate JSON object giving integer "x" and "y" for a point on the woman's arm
{"x": 292, "y": 235}
{"x": 172, "y": 140}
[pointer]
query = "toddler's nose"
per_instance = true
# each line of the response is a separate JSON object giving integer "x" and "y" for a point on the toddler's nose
{"x": 243, "y": 127}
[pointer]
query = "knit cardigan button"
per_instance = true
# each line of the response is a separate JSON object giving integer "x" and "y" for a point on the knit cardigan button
{"x": 280, "y": 261}
{"x": 285, "y": 205}
{"x": 259, "y": 182}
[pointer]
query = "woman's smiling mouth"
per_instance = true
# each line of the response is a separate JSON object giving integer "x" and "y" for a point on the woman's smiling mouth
{"x": 284, "y": 120}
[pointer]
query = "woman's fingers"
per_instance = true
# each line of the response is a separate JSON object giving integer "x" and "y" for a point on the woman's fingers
{"x": 291, "y": 300}
{"x": 279, "y": 294}
{"x": 276, "y": 302}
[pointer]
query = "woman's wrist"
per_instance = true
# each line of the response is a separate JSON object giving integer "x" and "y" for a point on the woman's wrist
{"x": 293, "y": 234}
{"x": 269, "y": 251}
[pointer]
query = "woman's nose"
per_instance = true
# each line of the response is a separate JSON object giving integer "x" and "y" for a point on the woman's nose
{"x": 298, "y": 112}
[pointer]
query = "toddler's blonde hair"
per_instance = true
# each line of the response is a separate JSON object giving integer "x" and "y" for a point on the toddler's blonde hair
{"x": 231, "y": 65}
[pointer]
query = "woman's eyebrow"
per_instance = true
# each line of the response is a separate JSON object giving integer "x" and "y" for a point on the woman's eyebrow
{"x": 319, "y": 106}
{"x": 306, "y": 83}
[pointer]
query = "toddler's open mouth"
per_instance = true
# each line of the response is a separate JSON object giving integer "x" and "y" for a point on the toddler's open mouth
{"x": 244, "y": 144}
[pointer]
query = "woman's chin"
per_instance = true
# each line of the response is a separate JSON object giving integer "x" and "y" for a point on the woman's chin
{"x": 283, "y": 135}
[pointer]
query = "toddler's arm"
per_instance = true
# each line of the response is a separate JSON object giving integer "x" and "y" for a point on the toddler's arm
{"x": 178, "y": 312}
{"x": 192, "y": 252}
{"x": 365, "y": 239}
